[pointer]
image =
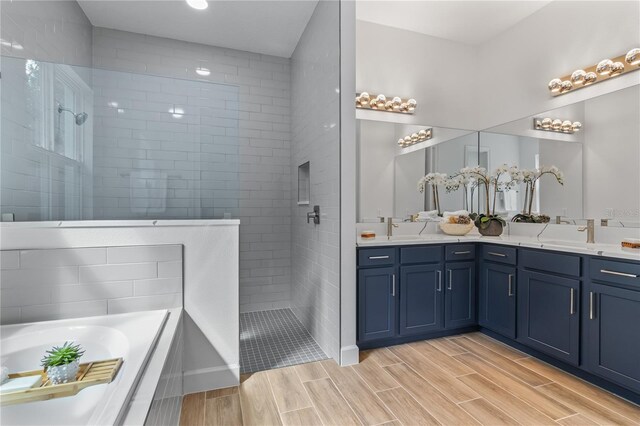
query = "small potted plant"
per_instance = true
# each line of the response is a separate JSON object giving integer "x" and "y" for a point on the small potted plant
{"x": 62, "y": 363}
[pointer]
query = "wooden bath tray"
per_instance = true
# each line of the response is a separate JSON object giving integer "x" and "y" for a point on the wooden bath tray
{"x": 89, "y": 374}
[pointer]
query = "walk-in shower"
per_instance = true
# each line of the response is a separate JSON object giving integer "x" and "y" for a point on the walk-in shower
{"x": 80, "y": 117}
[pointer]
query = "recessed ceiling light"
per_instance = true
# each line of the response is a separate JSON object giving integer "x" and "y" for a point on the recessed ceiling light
{"x": 203, "y": 71}
{"x": 198, "y": 4}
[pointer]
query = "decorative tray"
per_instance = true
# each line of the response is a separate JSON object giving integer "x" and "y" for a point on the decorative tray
{"x": 89, "y": 374}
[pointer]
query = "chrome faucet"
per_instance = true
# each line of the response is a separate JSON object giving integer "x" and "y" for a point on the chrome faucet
{"x": 390, "y": 226}
{"x": 590, "y": 228}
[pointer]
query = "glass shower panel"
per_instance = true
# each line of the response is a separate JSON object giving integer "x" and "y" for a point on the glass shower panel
{"x": 91, "y": 144}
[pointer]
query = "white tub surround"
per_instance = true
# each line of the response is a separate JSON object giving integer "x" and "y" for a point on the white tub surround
{"x": 210, "y": 270}
{"x": 564, "y": 238}
{"x": 157, "y": 399}
{"x": 129, "y": 336}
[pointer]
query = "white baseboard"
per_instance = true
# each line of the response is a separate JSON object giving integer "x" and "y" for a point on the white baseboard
{"x": 211, "y": 378}
{"x": 349, "y": 355}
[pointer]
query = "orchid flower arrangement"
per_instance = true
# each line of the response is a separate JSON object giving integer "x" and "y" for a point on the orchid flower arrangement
{"x": 433, "y": 179}
{"x": 530, "y": 179}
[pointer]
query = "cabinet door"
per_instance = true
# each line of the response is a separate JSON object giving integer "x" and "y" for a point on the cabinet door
{"x": 548, "y": 314}
{"x": 460, "y": 295}
{"x": 498, "y": 298}
{"x": 421, "y": 301}
{"x": 612, "y": 319}
{"x": 376, "y": 303}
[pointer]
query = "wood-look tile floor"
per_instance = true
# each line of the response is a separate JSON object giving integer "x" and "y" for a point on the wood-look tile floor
{"x": 461, "y": 380}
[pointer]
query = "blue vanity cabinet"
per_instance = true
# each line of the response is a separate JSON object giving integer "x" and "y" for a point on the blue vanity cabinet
{"x": 421, "y": 293}
{"x": 549, "y": 314}
{"x": 497, "y": 297}
{"x": 460, "y": 295}
{"x": 612, "y": 318}
{"x": 377, "y": 288}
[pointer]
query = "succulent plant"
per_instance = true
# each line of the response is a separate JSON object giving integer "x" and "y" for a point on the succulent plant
{"x": 62, "y": 355}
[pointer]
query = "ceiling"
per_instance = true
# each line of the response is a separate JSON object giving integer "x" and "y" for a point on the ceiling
{"x": 264, "y": 26}
{"x": 469, "y": 22}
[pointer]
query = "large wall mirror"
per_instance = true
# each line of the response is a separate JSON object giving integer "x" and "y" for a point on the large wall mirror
{"x": 388, "y": 174}
{"x": 600, "y": 162}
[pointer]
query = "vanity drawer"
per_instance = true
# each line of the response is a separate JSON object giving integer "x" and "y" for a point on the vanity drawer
{"x": 377, "y": 256}
{"x": 500, "y": 254}
{"x": 429, "y": 254}
{"x": 460, "y": 252}
{"x": 551, "y": 262}
{"x": 615, "y": 272}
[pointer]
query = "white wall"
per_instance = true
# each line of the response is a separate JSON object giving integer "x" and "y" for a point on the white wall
{"x": 315, "y": 71}
{"x": 513, "y": 69}
{"x": 434, "y": 71}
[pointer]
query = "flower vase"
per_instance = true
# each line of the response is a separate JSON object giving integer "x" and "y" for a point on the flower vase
{"x": 493, "y": 230}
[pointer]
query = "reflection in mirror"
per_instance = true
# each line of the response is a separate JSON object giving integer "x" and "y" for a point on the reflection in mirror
{"x": 600, "y": 162}
{"x": 388, "y": 174}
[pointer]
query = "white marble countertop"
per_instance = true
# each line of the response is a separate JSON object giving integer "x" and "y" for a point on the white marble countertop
{"x": 598, "y": 249}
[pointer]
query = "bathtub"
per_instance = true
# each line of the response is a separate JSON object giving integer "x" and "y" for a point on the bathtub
{"x": 130, "y": 336}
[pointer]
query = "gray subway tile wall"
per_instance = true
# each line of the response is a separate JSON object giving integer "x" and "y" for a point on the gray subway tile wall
{"x": 91, "y": 281}
{"x": 316, "y": 138}
{"x": 263, "y": 192}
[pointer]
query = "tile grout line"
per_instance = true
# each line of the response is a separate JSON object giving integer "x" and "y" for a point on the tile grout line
{"x": 342, "y": 395}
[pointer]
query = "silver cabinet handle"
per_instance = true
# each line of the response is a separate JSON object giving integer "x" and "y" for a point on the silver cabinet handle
{"x": 393, "y": 285}
{"x": 620, "y": 274}
{"x": 450, "y": 287}
{"x": 378, "y": 257}
{"x": 462, "y": 252}
{"x": 510, "y": 285}
{"x": 591, "y": 297}
{"x": 572, "y": 309}
{"x": 439, "y": 288}
{"x": 493, "y": 253}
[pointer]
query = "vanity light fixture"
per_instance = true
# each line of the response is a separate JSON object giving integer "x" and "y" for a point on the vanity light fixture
{"x": 380, "y": 102}
{"x": 414, "y": 138}
{"x": 603, "y": 70}
{"x": 556, "y": 125}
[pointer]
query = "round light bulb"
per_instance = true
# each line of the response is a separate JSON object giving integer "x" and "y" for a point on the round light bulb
{"x": 401, "y": 142}
{"x": 633, "y": 57}
{"x": 411, "y": 104}
{"x": 590, "y": 78}
{"x": 604, "y": 67}
{"x": 537, "y": 124}
{"x": 556, "y": 124}
{"x": 566, "y": 126}
{"x": 414, "y": 137}
{"x": 617, "y": 68}
{"x": 565, "y": 86}
{"x": 422, "y": 134}
{"x": 554, "y": 85}
{"x": 578, "y": 76}
{"x": 407, "y": 139}
{"x": 576, "y": 126}
{"x": 546, "y": 123}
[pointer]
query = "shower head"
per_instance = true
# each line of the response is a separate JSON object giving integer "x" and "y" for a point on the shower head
{"x": 80, "y": 118}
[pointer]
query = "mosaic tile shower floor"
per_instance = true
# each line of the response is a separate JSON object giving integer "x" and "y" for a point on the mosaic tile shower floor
{"x": 274, "y": 339}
